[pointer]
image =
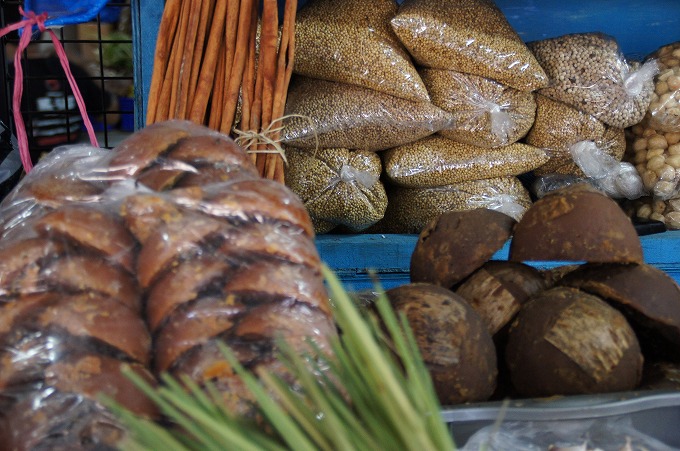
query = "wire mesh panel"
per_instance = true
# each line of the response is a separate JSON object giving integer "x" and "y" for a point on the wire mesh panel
{"x": 101, "y": 60}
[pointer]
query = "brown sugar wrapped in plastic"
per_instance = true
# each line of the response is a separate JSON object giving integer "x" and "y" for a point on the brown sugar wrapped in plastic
{"x": 351, "y": 41}
{"x": 175, "y": 216}
{"x": 589, "y": 72}
{"x": 338, "y": 186}
{"x": 469, "y": 36}
{"x": 486, "y": 113}
{"x": 324, "y": 114}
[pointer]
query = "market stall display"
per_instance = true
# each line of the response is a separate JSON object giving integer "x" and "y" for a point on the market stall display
{"x": 402, "y": 119}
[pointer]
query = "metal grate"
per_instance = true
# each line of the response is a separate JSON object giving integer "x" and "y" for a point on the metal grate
{"x": 100, "y": 53}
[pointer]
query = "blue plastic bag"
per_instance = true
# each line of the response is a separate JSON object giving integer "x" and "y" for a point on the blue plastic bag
{"x": 65, "y": 12}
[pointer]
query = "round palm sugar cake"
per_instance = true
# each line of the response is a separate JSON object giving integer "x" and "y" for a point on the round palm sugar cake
{"x": 576, "y": 223}
{"x": 648, "y": 297}
{"x": 456, "y": 347}
{"x": 565, "y": 341}
{"x": 456, "y": 243}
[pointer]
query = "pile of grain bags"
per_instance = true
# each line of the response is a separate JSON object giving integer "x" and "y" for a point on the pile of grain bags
{"x": 355, "y": 92}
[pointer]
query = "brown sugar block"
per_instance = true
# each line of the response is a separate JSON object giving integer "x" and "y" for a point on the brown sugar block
{"x": 453, "y": 340}
{"x": 565, "y": 341}
{"x": 139, "y": 150}
{"x": 456, "y": 243}
{"x": 92, "y": 228}
{"x": 648, "y": 297}
{"x": 576, "y": 223}
{"x": 498, "y": 289}
{"x": 95, "y": 375}
{"x": 212, "y": 149}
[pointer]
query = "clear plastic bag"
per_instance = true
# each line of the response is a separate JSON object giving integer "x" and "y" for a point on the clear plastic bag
{"x": 486, "y": 113}
{"x": 664, "y": 109}
{"x": 436, "y": 161}
{"x": 656, "y": 156}
{"x": 338, "y": 186}
{"x": 472, "y": 37}
{"x": 409, "y": 210}
{"x": 351, "y": 41}
{"x": 589, "y": 72}
{"x": 559, "y": 126}
{"x": 172, "y": 234}
{"x": 606, "y": 434}
{"x": 617, "y": 179}
{"x": 322, "y": 114}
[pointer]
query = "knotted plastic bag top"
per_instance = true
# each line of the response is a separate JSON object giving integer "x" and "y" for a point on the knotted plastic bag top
{"x": 65, "y": 12}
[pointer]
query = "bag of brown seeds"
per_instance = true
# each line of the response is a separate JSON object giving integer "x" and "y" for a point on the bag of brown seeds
{"x": 589, "y": 72}
{"x": 436, "y": 161}
{"x": 558, "y": 126}
{"x": 351, "y": 41}
{"x": 409, "y": 210}
{"x": 325, "y": 114}
{"x": 339, "y": 187}
{"x": 469, "y": 36}
{"x": 486, "y": 113}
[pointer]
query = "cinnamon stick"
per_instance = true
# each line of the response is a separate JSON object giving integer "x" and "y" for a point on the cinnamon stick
{"x": 205, "y": 81}
{"x": 187, "y": 59}
{"x": 246, "y": 12}
{"x": 164, "y": 43}
{"x": 178, "y": 55}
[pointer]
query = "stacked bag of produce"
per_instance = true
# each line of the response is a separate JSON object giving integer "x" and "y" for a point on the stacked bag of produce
{"x": 458, "y": 109}
{"x": 593, "y": 95}
{"x": 144, "y": 257}
{"x": 366, "y": 83}
{"x": 355, "y": 92}
{"x": 654, "y": 144}
{"x": 487, "y": 87}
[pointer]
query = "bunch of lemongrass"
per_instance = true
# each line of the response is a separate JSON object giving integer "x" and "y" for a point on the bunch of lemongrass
{"x": 372, "y": 392}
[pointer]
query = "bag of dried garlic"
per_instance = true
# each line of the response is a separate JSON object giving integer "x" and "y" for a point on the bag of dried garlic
{"x": 469, "y": 36}
{"x": 339, "y": 187}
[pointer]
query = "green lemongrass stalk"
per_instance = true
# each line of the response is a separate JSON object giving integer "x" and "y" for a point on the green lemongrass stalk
{"x": 372, "y": 391}
{"x": 367, "y": 354}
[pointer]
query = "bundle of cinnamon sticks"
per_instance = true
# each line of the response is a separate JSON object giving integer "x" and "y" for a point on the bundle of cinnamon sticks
{"x": 226, "y": 64}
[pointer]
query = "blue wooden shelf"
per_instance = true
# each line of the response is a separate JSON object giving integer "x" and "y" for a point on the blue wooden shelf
{"x": 354, "y": 257}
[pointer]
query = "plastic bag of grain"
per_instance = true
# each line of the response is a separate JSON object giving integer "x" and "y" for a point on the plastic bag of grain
{"x": 325, "y": 114}
{"x": 436, "y": 161}
{"x": 589, "y": 72}
{"x": 339, "y": 187}
{"x": 558, "y": 126}
{"x": 486, "y": 113}
{"x": 664, "y": 109}
{"x": 469, "y": 36}
{"x": 656, "y": 156}
{"x": 409, "y": 210}
{"x": 351, "y": 41}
